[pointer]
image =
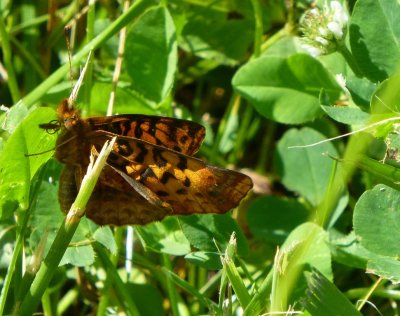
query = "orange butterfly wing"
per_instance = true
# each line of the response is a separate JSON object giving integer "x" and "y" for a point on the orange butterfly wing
{"x": 149, "y": 173}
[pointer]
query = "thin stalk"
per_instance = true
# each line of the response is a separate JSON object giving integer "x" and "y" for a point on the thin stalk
{"x": 105, "y": 298}
{"x": 47, "y": 304}
{"x": 232, "y": 106}
{"x": 369, "y": 293}
{"x": 121, "y": 292}
{"x": 342, "y": 48}
{"x": 258, "y": 29}
{"x": 265, "y": 154}
{"x": 118, "y": 63}
{"x": 28, "y": 24}
{"x": 355, "y": 294}
{"x": 11, "y": 267}
{"x": 245, "y": 123}
{"x": 172, "y": 294}
{"x": 89, "y": 36}
{"x": 18, "y": 247}
{"x": 11, "y": 78}
{"x": 64, "y": 234}
{"x": 323, "y": 214}
{"x": 189, "y": 288}
{"x": 67, "y": 300}
{"x": 137, "y": 8}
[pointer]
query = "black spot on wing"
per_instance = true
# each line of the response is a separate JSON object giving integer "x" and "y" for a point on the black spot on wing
{"x": 186, "y": 182}
{"x": 162, "y": 193}
{"x": 124, "y": 148}
{"x": 152, "y": 127}
{"x": 158, "y": 158}
{"x": 138, "y": 129}
{"x": 148, "y": 173}
{"x": 182, "y": 191}
{"x": 166, "y": 176}
{"x": 184, "y": 139}
{"x": 182, "y": 165}
{"x": 113, "y": 157}
{"x": 127, "y": 127}
{"x": 172, "y": 133}
{"x": 142, "y": 153}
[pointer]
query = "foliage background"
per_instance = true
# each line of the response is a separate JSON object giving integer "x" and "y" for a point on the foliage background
{"x": 319, "y": 218}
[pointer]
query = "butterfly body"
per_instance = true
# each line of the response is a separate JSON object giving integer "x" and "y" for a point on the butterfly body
{"x": 149, "y": 174}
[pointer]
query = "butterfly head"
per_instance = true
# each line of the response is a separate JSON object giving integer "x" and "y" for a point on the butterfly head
{"x": 68, "y": 114}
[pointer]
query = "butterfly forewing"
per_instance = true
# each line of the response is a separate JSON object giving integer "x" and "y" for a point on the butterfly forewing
{"x": 179, "y": 135}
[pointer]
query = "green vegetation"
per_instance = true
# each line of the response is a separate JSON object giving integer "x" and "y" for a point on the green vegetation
{"x": 303, "y": 97}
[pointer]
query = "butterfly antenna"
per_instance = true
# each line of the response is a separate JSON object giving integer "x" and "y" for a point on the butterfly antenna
{"x": 67, "y": 34}
{"x": 49, "y": 150}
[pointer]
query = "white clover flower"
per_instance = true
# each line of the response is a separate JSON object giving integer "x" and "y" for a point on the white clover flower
{"x": 312, "y": 50}
{"x": 339, "y": 13}
{"x": 324, "y": 29}
{"x": 341, "y": 80}
{"x": 322, "y": 41}
{"x": 335, "y": 29}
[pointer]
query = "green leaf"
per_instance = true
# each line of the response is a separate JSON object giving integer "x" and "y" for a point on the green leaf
{"x": 188, "y": 288}
{"x": 79, "y": 256}
{"x": 105, "y": 237}
{"x": 386, "y": 97}
{"x": 324, "y": 298}
{"x": 206, "y": 259}
{"x": 209, "y": 34}
{"x": 125, "y": 102}
{"x": 312, "y": 247}
{"x": 361, "y": 90}
{"x": 346, "y": 249}
{"x": 208, "y": 230}
{"x": 152, "y": 58}
{"x": 305, "y": 170}
{"x": 47, "y": 218}
{"x": 147, "y": 297}
{"x": 273, "y": 218}
{"x": 377, "y": 220}
{"x": 13, "y": 117}
{"x": 16, "y": 169}
{"x": 374, "y": 37}
{"x": 385, "y": 267}
{"x": 347, "y": 115}
{"x": 7, "y": 245}
{"x": 383, "y": 173}
{"x": 164, "y": 237}
{"x": 285, "y": 90}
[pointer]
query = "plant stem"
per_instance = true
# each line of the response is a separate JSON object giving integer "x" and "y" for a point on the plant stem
{"x": 89, "y": 72}
{"x": 258, "y": 32}
{"x": 64, "y": 234}
{"x": 120, "y": 289}
{"x": 350, "y": 60}
{"x": 173, "y": 295}
{"x": 108, "y": 283}
{"x": 11, "y": 80}
{"x": 118, "y": 64}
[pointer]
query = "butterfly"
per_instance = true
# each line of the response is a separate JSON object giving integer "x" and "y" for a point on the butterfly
{"x": 150, "y": 172}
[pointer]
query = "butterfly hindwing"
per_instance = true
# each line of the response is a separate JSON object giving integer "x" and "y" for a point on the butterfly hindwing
{"x": 187, "y": 184}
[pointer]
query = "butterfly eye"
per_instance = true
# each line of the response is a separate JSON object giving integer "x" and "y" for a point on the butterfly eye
{"x": 52, "y": 127}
